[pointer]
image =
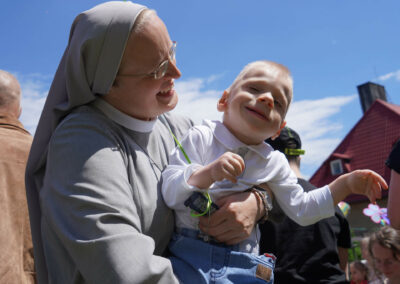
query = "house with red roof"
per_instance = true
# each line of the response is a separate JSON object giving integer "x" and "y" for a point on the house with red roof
{"x": 366, "y": 146}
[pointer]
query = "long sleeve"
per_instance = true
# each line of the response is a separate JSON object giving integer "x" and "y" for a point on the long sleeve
{"x": 99, "y": 215}
{"x": 175, "y": 188}
{"x": 205, "y": 143}
{"x": 305, "y": 208}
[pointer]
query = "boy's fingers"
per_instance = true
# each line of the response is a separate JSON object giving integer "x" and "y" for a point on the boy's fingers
{"x": 382, "y": 183}
{"x": 240, "y": 161}
{"x": 242, "y": 164}
{"x": 378, "y": 179}
{"x": 228, "y": 172}
{"x": 375, "y": 183}
{"x": 239, "y": 164}
{"x": 233, "y": 167}
{"x": 378, "y": 189}
{"x": 238, "y": 169}
{"x": 370, "y": 189}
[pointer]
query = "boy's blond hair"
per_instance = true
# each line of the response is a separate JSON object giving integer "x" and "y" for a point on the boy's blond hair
{"x": 282, "y": 69}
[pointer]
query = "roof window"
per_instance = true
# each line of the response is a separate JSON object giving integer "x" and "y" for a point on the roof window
{"x": 336, "y": 167}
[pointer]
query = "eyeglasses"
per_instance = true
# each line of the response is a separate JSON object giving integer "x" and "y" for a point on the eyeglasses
{"x": 162, "y": 68}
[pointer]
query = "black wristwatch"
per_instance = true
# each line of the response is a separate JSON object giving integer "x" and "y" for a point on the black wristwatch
{"x": 266, "y": 200}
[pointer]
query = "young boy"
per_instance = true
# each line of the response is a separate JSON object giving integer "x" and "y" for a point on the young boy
{"x": 232, "y": 156}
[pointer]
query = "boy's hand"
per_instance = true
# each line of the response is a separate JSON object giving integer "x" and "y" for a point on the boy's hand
{"x": 228, "y": 166}
{"x": 366, "y": 182}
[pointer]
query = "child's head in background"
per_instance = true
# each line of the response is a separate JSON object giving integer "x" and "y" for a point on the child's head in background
{"x": 358, "y": 272}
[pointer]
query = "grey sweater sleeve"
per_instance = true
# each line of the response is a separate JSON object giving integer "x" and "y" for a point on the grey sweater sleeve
{"x": 92, "y": 226}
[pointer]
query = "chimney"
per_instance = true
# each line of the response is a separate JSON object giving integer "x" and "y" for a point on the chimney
{"x": 369, "y": 92}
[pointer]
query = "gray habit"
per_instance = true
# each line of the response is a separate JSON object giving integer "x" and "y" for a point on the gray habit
{"x": 96, "y": 210}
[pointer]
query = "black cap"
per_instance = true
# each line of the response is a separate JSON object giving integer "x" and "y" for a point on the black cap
{"x": 288, "y": 142}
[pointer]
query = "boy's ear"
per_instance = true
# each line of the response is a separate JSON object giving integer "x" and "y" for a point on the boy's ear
{"x": 223, "y": 101}
{"x": 279, "y": 131}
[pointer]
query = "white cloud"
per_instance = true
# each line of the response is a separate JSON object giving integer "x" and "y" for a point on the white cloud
{"x": 34, "y": 91}
{"x": 196, "y": 102}
{"x": 395, "y": 74}
{"x": 312, "y": 119}
{"x": 213, "y": 78}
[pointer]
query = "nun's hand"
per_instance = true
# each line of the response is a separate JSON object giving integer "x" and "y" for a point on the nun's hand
{"x": 234, "y": 221}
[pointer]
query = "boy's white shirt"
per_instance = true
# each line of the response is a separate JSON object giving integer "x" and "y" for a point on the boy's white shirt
{"x": 205, "y": 143}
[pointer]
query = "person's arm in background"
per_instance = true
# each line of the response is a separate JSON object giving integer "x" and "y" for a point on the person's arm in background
{"x": 393, "y": 162}
{"x": 394, "y": 199}
{"x": 343, "y": 260}
{"x": 343, "y": 241}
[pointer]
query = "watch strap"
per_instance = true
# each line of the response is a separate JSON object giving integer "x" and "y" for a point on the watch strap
{"x": 266, "y": 200}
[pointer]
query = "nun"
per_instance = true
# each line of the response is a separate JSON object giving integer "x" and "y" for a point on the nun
{"x": 94, "y": 172}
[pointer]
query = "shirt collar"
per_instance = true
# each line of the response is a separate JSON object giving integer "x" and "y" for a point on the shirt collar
{"x": 121, "y": 118}
{"x": 6, "y": 119}
{"x": 225, "y": 137}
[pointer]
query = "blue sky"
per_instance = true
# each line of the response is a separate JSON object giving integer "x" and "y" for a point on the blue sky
{"x": 330, "y": 47}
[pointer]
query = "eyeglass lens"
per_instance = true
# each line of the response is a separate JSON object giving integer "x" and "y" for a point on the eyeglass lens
{"x": 162, "y": 69}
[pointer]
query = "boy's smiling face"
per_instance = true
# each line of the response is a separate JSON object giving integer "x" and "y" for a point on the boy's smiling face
{"x": 256, "y": 104}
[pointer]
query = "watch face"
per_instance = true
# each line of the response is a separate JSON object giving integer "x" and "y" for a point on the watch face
{"x": 198, "y": 202}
